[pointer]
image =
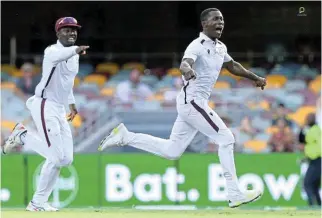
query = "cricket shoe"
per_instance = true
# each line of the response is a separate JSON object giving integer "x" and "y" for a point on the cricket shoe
{"x": 14, "y": 141}
{"x": 250, "y": 196}
{"x": 115, "y": 138}
{"x": 40, "y": 207}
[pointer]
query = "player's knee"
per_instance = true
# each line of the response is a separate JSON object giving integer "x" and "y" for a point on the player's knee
{"x": 228, "y": 138}
{"x": 55, "y": 160}
{"x": 69, "y": 161}
{"x": 173, "y": 155}
{"x": 66, "y": 161}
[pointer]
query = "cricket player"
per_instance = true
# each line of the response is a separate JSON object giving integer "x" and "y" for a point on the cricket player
{"x": 200, "y": 66}
{"x": 53, "y": 139}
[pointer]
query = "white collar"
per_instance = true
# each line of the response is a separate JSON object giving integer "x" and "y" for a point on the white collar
{"x": 206, "y": 38}
{"x": 59, "y": 43}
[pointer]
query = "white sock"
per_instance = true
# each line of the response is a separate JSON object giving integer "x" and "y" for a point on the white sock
{"x": 48, "y": 177}
{"x": 226, "y": 157}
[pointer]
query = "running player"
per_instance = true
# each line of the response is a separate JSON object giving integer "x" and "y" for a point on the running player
{"x": 200, "y": 66}
{"x": 53, "y": 140}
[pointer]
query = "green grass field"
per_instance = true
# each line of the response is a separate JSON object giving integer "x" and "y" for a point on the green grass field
{"x": 131, "y": 213}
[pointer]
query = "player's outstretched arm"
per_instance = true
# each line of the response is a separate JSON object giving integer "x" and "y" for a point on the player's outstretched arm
{"x": 186, "y": 69}
{"x": 238, "y": 70}
{"x": 58, "y": 55}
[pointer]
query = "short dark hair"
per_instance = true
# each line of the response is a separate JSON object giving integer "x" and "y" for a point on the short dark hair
{"x": 204, "y": 14}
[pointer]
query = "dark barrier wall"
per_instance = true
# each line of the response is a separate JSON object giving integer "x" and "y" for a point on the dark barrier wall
{"x": 159, "y": 26}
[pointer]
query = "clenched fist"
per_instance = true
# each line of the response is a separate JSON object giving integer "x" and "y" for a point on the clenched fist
{"x": 82, "y": 49}
{"x": 189, "y": 75}
{"x": 187, "y": 72}
{"x": 73, "y": 112}
{"x": 260, "y": 82}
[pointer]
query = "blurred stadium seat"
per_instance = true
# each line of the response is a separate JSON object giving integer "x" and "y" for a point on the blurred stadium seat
{"x": 261, "y": 123}
{"x": 85, "y": 69}
{"x": 134, "y": 65}
{"x": 77, "y": 81}
{"x": 77, "y": 121}
{"x": 256, "y": 145}
{"x": 305, "y": 72}
{"x": 259, "y": 71}
{"x": 271, "y": 130}
{"x": 315, "y": 86}
{"x": 150, "y": 80}
{"x": 99, "y": 80}
{"x": 262, "y": 137}
{"x": 294, "y": 85}
{"x": 225, "y": 72}
{"x": 222, "y": 85}
{"x": 212, "y": 104}
{"x": 276, "y": 81}
{"x": 280, "y": 70}
{"x": 174, "y": 72}
{"x": 300, "y": 115}
{"x": 293, "y": 101}
{"x": 228, "y": 79}
{"x": 121, "y": 75}
{"x": 107, "y": 68}
{"x": 156, "y": 97}
{"x": 107, "y": 91}
{"x": 8, "y": 85}
{"x": 17, "y": 73}
{"x": 6, "y": 124}
{"x": 37, "y": 69}
{"x": 9, "y": 69}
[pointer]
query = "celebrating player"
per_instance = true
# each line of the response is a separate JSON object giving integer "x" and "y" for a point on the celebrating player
{"x": 200, "y": 66}
{"x": 54, "y": 138}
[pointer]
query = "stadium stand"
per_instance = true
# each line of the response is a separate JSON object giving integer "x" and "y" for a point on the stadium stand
{"x": 296, "y": 86}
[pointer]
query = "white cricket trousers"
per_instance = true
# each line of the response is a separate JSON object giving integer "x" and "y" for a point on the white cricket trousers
{"x": 192, "y": 117}
{"x": 53, "y": 141}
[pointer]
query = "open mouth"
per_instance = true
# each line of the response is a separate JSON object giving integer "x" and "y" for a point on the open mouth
{"x": 219, "y": 29}
{"x": 71, "y": 39}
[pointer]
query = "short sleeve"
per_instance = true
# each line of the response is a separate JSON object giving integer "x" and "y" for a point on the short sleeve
{"x": 227, "y": 57}
{"x": 192, "y": 51}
